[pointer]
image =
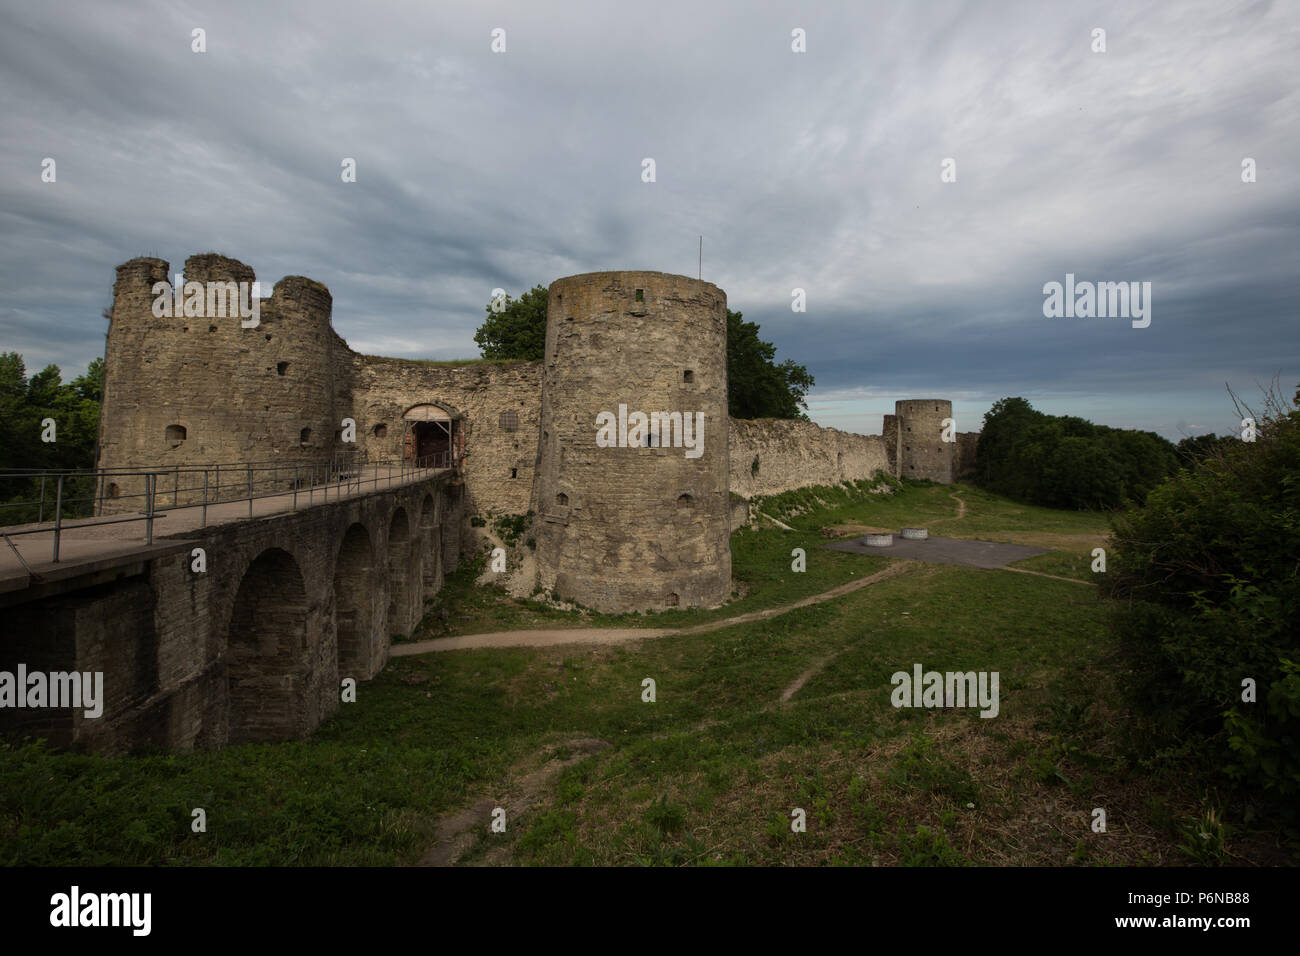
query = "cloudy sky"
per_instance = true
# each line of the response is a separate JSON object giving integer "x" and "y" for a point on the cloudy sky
{"x": 819, "y": 170}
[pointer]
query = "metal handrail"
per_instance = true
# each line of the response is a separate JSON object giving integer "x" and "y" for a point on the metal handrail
{"x": 344, "y": 472}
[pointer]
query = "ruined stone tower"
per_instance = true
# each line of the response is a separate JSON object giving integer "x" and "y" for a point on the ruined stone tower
{"x": 917, "y": 431}
{"x": 629, "y": 515}
{"x": 203, "y": 388}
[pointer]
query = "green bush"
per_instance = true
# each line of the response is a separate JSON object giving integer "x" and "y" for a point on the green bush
{"x": 510, "y": 528}
{"x": 1208, "y": 573}
{"x": 1268, "y": 750}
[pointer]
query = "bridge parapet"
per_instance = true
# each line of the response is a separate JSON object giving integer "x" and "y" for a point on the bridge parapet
{"x": 83, "y": 503}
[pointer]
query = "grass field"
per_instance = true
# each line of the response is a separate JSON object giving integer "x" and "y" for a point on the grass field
{"x": 588, "y": 772}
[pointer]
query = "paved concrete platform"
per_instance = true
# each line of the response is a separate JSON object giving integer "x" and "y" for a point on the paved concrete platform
{"x": 974, "y": 554}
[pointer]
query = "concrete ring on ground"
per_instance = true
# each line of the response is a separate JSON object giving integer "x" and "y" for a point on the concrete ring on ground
{"x": 914, "y": 534}
{"x": 878, "y": 540}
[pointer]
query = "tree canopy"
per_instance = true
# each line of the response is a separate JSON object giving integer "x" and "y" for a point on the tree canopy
{"x": 25, "y": 403}
{"x": 518, "y": 331}
{"x": 1066, "y": 462}
{"x": 757, "y": 387}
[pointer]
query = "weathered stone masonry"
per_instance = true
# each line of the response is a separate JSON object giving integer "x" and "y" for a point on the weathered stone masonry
{"x": 280, "y": 392}
{"x": 644, "y": 526}
{"x": 252, "y": 649}
{"x": 255, "y": 648}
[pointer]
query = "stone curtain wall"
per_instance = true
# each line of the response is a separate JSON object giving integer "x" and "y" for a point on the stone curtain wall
{"x": 964, "y": 466}
{"x": 244, "y": 394}
{"x": 889, "y": 432}
{"x": 499, "y": 462}
{"x": 249, "y": 394}
{"x": 793, "y": 454}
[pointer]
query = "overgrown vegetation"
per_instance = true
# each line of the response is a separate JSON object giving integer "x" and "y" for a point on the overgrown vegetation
{"x": 788, "y": 504}
{"x": 1209, "y": 575}
{"x": 510, "y": 528}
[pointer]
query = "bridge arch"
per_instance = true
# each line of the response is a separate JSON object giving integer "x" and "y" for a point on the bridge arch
{"x": 399, "y": 574}
{"x": 357, "y": 614}
{"x": 266, "y": 659}
{"x": 430, "y": 547}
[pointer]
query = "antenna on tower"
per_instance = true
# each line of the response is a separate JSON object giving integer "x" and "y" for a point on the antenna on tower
{"x": 701, "y": 272}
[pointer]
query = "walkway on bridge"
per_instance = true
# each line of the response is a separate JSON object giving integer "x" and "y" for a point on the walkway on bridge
{"x": 87, "y": 545}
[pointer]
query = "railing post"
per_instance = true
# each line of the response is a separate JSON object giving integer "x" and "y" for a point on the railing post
{"x": 250, "y": 489}
{"x": 176, "y": 486}
{"x": 150, "y": 486}
{"x": 99, "y": 510}
{"x": 216, "y": 496}
{"x": 295, "y": 487}
{"x": 58, "y": 517}
{"x": 204, "y": 523}
{"x": 40, "y": 516}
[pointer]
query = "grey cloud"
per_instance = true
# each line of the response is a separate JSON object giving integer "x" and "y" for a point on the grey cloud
{"x": 817, "y": 170}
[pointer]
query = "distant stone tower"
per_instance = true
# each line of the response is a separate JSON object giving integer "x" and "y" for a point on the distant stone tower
{"x": 202, "y": 389}
{"x": 627, "y": 521}
{"x": 920, "y": 449}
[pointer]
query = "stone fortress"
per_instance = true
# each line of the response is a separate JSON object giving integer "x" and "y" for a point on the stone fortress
{"x": 640, "y": 524}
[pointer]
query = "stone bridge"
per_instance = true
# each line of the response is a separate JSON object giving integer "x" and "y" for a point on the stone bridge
{"x": 255, "y": 646}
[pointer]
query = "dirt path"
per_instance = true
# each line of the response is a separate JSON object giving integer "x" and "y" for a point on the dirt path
{"x": 619, "y": 635}
{"x": 806, "y": 676}
{"x": 458, "y": 832}
{"x": 779, "y": 524}
{"x": 961, "y": 511}
{"x": 539, "y": 637}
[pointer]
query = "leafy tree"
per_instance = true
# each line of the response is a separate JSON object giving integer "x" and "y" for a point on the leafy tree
{"x": 1196, "y": 447}
{"x": 1004, "y": 426}
{"x": 518, "y": 331}
{"x": 20, "y": 444}
{"x": 90, "y": 386}
{"x": 13, "y": 375}
{"x": 24, "y": 404}
{"x": 1063, "y": 461}
{"x": 756, "y": 386}
{"x": 43, "y": 387}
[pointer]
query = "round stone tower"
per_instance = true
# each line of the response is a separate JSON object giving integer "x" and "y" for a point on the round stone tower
{"x": 922, "y": 452}
{"x": 631, "y": 490}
